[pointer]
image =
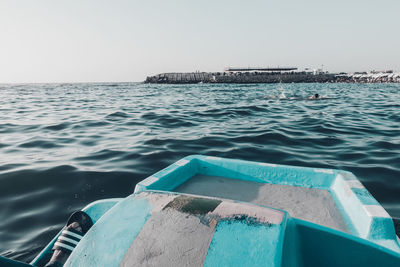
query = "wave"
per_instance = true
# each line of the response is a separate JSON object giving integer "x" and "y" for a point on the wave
{"x": 83, "y": 142}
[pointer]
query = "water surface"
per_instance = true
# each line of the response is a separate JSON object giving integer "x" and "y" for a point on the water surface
{"x": 65, "y": 145}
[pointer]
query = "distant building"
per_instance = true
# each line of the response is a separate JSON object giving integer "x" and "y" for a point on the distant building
{"x": 251, "y": 69}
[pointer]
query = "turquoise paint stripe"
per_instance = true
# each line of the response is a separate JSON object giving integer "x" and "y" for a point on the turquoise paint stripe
{"x": 174, "y": 175}
{"x": 382, "y": 228}
{"x": 237, "y": 243}
{"x": 108, "y": 240}
{"x": 322, "y": 246}
{"x": 257, "y": 172}
{"x": 364, "y": 196}
{"x": 171, "y": 177}
{"x": 97, "y": 209}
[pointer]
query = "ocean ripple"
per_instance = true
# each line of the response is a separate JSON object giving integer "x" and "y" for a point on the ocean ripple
{"x": 66, "y": 145}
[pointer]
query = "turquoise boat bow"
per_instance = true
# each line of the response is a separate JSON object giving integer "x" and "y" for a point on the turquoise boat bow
{"x": 209, "y": 211}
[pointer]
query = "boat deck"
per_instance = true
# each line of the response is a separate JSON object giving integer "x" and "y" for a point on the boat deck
{"x": 167, "y": 229}
{"x": 310, "y": 204}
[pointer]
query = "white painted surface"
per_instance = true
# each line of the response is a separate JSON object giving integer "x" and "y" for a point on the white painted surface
{"x": 268, "y": 164}
{"x": 148, "y": 181}
{"x": 182, "y": 162}
{"x": 376, "y": 211}
{"x": 327, "y": 171}
{"x": 213, "y": 158}
{"x": 355, "y": 184}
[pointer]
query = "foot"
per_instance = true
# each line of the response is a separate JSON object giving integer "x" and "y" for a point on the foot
{"x": 78, "y": 224}
{"x": 61, "y": 256}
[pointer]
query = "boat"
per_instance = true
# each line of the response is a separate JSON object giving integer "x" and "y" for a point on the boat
{"x": 211, "y": 211}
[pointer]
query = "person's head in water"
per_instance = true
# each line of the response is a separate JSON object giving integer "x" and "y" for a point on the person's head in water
{"x": 316, "y": 96}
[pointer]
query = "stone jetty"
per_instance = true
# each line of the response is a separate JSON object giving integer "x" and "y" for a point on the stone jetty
{"x": 240, "y": 77}
{"x": 272, "y": 75}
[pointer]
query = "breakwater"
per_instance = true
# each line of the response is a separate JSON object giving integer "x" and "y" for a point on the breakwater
{"x": 271, "y": 77}
{"x": 240, "y": 77}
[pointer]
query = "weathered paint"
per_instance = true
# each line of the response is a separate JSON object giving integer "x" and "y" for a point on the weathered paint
{"x": 367, "y": 218}
{"x": 364, "y": 196}
{"x": 348, "y": 193}
{"x": 163, "y": 228}
{"x": 110, "y": 237}
{"x": 311, "y": 204}
{"x": 95, "y": 210}
{"x": 265, "y": 216}
{"x": 241, "y": 243}
{"x": 170, "y": 238}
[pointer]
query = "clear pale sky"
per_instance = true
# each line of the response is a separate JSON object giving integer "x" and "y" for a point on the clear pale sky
{"x": 115, "y": 40}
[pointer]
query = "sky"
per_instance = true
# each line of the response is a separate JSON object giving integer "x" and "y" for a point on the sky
{"x": 122, "y": 41}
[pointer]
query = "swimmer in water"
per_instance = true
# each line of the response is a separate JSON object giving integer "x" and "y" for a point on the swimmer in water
{"x": 316, "y": 96}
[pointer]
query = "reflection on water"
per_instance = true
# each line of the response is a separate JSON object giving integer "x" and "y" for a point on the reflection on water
{"x": 65, "y": 145}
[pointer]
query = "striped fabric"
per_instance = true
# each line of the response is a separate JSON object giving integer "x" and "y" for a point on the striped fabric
{"x": 67, "y": 240}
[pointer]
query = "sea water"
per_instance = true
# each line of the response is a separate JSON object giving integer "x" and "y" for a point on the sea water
{"x": 63, "y": 146}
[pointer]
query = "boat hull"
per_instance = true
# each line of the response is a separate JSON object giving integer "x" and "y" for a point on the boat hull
{"x": 208, "y": 211}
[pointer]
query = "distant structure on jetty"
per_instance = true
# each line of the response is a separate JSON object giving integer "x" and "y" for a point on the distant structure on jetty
{"x": 229, "y": 69}
{"x": 271, "y": 75}
{"x": 371, "y": 77}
